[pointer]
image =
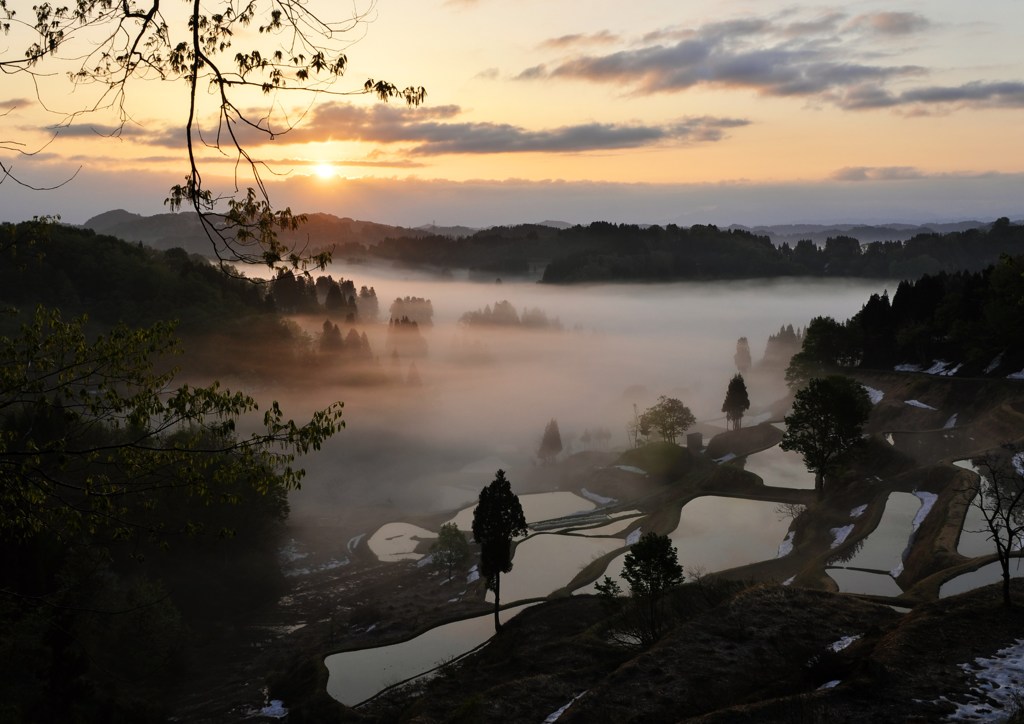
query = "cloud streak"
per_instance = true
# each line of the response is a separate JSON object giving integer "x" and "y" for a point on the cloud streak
{"x": 435, "y": 131}
{"x": 831, "y": 58}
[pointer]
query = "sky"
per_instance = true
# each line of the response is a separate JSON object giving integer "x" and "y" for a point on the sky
{"x": 657, "y": 112}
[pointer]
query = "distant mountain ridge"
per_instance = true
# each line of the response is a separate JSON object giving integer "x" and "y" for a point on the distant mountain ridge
{"x": 167, "y": 231}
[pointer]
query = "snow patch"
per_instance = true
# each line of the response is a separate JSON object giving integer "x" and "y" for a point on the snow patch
{"x": 998, "y": 678}
{"x": 938, "y": 367}
{"x": 631, "y": 469}
{"x": 788, "y": 581}
{"x": 1016, "y": 375}
{"x": 839, "y": 535}
{"x": 830, "y": 684}
{"x": 425, "y": 560}
{"x": 1018, "y": 463}
{"x": 633, "y": 538}
{"x": 842, "y": 643}
{"x": 953, "y": 370}
{"x": 473, "y": 575}
{"x": 927, "y": 501}
{"x": 726, "y": 458}
{"x": 918, "y": 403}
{"x": 858, "y": 511}
{"x": 951, "y": 422}
{"x": 354, "y": 541}
{"x": 874, "y": 395}
{"x": 600, "y": 499}
{"x": 553, "y": 716}
{"x": 786, "y": 546}
{"x": 889, "y": 438}
{"x": 907, "y": 368}
{"x": 275, "y": 709}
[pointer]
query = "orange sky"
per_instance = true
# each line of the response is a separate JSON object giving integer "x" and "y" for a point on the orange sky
{"x": 685, "y": 112}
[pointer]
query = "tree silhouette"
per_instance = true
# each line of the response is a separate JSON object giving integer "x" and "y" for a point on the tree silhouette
{"x": 652, "y": 569}
{"x": 668, "y": 417}
{"x": 826, "y": 423}
{"x": 550, "y": 443}
{"x": 742, "y": 356}
{"x": 451, "y": 548}
{"x": 999, "y": 495}
{"x": 497, "y": 519}
{"x": 736, "y": 402}
{"x": 118, "y": 45}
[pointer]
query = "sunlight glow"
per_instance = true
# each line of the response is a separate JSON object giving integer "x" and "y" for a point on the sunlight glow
{"x": 324, "y": 171}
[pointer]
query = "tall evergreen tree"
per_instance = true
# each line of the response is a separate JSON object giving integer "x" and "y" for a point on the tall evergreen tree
{"x": 497, "y": 519}
{"x": 736, "y": 402}
{"x": 550, "y": 443}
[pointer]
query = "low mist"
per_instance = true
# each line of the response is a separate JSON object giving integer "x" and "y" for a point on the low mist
{"x": 480, "y": 396}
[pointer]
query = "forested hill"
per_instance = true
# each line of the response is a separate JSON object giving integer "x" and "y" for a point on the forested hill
{"x": 706, "y": 252}
{"x": 963, "y": 324}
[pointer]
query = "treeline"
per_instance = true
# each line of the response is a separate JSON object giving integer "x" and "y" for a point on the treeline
{"x": 229, "y": 325}
{"x": 965, "y": 323}
{"x": 627, "y": 252}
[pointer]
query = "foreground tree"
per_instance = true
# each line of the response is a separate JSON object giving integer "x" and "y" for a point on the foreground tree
{"x": 497, "y": 519}
{"x": 92, "y": 436}
{"x": 652, "y": 569}
{"x": 112, "y": 46}
{"x": 736, "y": 402}
{"x": 826, "y": 425}
{"x": 669, "y": 417}
{"x": 999, "y": 495}
{"x": 451, "y": 549}
{"x": 550, "y": 443}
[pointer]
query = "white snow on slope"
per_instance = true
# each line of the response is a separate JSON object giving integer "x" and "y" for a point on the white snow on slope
{"x": 786, "y": 546}
{"x": 907, "y": 368}
{"x": 874, "y": 395}
{"x": 631, "y": 469}
{"x": 1016, "y": 375}
{"x": 553, "y": 716}
{"x": 999, "y": 679}
{"x": 951, "y": 422}
{"x": 274, "y": 710}
{"x": 839, "y": 535}
{"x": 858, "y": 511}
{"x": 842, "y": 643}
{"x": 633, "y": 538}
{"x": 927, "y": 501}
{"x": 918, "y": 403}
{"x": 1018, "y": 463}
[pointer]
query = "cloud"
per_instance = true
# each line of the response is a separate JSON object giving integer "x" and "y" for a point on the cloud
{"x": 880, "y": 173}
{"x": 433, "y": 131}
{"x": 575, "y": 39}
{"x": 975, "y": 94}
{"x": 771, "y": 59}
{"x": 890, "y": 23}
{"x": 831, "y": 58}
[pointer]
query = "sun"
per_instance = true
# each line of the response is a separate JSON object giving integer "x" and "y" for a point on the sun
{"x": 324, "y": 171}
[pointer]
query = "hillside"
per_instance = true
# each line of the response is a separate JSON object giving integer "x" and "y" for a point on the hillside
{"x": 182, "y": 230}
{"x": 742, "y": 647}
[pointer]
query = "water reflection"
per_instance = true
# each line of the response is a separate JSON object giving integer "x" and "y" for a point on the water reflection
{"x": 548, "y": 561}
{"x": 716, "y": 533}
{"x": 355, "y": 676}
{"x": 780, "y": 468}
{"x": 884, "y": 546}
{"x": 992, "y": 573}
{"x": 850, "y": 581}
{"x": 536, "y": 507}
